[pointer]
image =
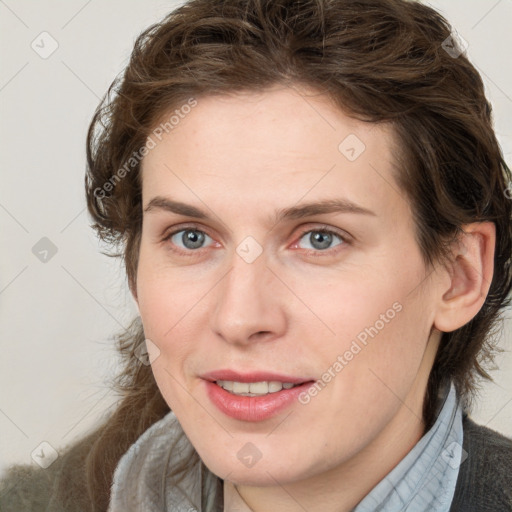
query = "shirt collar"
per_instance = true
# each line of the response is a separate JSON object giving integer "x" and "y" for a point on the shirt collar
{"x": 425, "y": 479}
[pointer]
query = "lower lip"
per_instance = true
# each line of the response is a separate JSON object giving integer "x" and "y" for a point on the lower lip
{"x": 253, "y": 408}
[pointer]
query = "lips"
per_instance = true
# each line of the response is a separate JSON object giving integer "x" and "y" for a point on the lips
{"x": 245, "y": 407}
{"x": 254, "y": 376}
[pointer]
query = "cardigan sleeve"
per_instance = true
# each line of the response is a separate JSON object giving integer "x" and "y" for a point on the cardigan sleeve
{"x": 62, "y": 487}
{"x": 25, "y": 488}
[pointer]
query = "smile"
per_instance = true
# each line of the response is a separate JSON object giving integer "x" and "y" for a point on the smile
{"x": 255, "y": 396}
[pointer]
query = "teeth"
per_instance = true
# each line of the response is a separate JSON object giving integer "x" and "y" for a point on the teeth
{"x": 240, "y": 387}
{"x": 258, "y": 388}
{"x": 254, "y": 388}
{"x": 274, "y": 386}
{"x": 227, "y": 385}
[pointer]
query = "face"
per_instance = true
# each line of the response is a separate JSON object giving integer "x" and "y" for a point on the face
{"x": 278, "y": 250}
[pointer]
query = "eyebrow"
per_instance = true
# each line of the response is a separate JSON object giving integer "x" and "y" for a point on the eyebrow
{"x": 291, "y": 213}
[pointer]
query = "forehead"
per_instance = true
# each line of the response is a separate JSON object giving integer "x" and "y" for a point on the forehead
{"x": 276, "y": 147}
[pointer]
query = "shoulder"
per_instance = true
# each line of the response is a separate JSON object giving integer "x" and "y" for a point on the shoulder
{"x": 60, "y": 487}
{"x": 24, "y": 487}
{"x": 485, "y": 475}
{"x": 490, "y": 450}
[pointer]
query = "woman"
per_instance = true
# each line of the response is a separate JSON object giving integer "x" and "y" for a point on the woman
{"x": 311, "y": 205}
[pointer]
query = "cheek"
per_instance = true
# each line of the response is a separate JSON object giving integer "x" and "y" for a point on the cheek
{"x": 163, "y": 309}
{"x": 379, "y": 324}
{"x": 166, "y": 316}
{"x": 173, "y": 305}
{"x": 167, "y": 296}
{"x": 367, "y": 306}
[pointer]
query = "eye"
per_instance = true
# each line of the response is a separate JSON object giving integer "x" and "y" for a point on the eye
{"x": 321, "y": 239}
{"x": 189, "y": 238}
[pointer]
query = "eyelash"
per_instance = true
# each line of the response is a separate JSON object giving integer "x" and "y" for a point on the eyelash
{"x": 345, "y": 240}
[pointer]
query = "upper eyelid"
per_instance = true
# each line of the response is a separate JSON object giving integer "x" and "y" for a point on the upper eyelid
{"x": 176, "y": 229}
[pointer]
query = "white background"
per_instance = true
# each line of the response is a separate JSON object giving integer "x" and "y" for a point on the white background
{"x": 57, "y": 318}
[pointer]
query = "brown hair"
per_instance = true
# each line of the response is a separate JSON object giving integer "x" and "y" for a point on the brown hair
{"x": 380, "y": 61}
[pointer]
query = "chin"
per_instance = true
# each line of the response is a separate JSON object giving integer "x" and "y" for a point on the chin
{"x": 261, "y": 473}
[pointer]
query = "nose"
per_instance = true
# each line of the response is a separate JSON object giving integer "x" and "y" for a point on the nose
{"x": 250, "y": 303}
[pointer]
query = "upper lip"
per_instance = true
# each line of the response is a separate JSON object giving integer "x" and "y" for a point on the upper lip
{"x": 252, "y": 376}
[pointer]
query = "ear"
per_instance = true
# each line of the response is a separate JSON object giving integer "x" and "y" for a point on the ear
{"x": 468, "y": 277}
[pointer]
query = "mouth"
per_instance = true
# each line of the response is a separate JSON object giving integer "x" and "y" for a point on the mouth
{"x": 261, "y": 388}
{"x": 254, "y": 396}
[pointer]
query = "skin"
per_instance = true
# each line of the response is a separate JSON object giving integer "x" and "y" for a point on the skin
{"x": 296, "y": 307}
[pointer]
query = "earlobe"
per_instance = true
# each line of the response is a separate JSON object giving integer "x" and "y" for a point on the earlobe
{"x": 470, "y": 274}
